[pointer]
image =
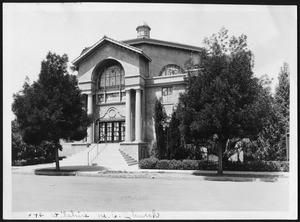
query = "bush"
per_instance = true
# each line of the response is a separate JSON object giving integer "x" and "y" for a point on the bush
{"x": 189, "y": 164}
{"x": 148, "y": 163}
{"x": 163, "y": 164}
{"x": 31, "y": 161}
{"x": 207, "y": 165}
{"x": 175, "y": 165}
{"x": 260, "y": 166}
{"x": 285, "y": 167}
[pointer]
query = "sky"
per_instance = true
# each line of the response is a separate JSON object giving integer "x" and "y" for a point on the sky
{"x": 33, "y": 29}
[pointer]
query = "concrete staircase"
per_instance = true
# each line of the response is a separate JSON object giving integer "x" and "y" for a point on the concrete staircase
{"x": 112, "y": 159}
{"x": 110, "y": 156}
{"x": 129, "y": 160}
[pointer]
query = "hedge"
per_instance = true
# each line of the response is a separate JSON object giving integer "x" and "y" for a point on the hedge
{"x": 263, "y": 166}
{"x": 31, "y": 161}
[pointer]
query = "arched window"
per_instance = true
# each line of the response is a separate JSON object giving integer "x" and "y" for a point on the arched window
{"x": 111, "y": 83}
{"x": 171, "y": 70}
{"x": 111, "y": 77}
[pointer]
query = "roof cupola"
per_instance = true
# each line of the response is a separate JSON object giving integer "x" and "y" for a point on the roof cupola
{"x": 143, "y": 30}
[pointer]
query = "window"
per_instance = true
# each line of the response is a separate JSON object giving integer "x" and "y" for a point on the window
{"x": 112, "y": 97}
{"x": 100, "y": 98}
{"x": 171, "y": 70}
{"x": 111, "y": 77}
{"x": 167, "y": 94}
{"x": 110, "y": 83}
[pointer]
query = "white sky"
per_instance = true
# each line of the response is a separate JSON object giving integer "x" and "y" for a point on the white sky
{"x": 32, "y": 29}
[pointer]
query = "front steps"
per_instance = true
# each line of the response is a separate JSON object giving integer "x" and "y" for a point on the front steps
{"x": 112, "y": 159}
{"x": 110, "y": 156}
{"x": 129, "y": 160}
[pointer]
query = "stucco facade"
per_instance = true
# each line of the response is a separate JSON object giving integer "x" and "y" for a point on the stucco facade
{"x": 121, "y": 81}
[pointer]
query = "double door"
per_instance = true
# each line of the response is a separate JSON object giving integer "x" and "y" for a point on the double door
{"x": 112, "y": 132}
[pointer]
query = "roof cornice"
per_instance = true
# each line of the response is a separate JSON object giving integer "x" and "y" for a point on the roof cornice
{"x": 107, "y": 39}
{"x": 162, "y": 43}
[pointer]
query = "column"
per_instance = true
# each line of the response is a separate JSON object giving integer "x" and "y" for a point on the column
{"x": 90, "y": 111}
{"x": 144, "y": 115}
{"x": 138, "y": 112}
{"x": 127, "y": 117}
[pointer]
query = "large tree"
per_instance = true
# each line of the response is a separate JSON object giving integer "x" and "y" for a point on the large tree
{"x": 222, "y": 101}
{"x": 282, "y": 95}
{"x": 51, "y": 109}
{"x": 160, "y": 122}
{"x": 271, "y": 143}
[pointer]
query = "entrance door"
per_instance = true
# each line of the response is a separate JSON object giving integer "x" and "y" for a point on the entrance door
{"x": 113, "y": 131}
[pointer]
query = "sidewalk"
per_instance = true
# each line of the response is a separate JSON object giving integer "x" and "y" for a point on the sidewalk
{"x": 98, "y": 171}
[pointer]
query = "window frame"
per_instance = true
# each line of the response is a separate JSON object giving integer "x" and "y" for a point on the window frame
{"x": 110, "y": 82}
{"x": 166, "y": 67}
{"x": 167, "y": 98}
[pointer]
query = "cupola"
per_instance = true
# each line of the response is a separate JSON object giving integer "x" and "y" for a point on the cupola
{"x": 143, "y": 30}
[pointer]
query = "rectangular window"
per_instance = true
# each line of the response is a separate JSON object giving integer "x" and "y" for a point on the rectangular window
{"x": 167, "y": 94}
{"x": 101, "y": 98}
{"x": 123, "y": 95}
{"x": 102, "y": 82}
{"x": 110, "y": 97}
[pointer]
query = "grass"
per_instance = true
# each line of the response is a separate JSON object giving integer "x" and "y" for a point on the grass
{"x": 67, "y": 170}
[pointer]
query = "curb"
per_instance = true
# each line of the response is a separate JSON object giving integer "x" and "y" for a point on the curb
{"x": 151, "y": 175}
{"x": 144, "y": 173}
{"x": 53, "y": 173}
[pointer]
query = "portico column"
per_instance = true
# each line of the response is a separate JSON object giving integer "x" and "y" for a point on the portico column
{"x": 127, "y": 117}
{"x": 90, "y": 111}
{"x": 138, "y": 112}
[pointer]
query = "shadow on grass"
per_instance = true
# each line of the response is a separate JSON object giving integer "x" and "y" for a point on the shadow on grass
{"x": 67, "y": 170}
{"x": 238, "y": 177}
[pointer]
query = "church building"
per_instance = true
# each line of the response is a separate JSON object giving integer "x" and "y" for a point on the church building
{"x": 121, "y": 80}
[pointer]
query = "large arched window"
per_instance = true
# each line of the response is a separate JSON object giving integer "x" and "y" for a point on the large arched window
{"x": 111, "y": 77}
{"x": 111, "y": 83}
{"x": 171, "y": 70}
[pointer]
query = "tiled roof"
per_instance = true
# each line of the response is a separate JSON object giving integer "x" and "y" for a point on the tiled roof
{"x": 88, "y": 50}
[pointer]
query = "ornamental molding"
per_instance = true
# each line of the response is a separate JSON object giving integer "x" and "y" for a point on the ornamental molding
{"x": 111, "y": 113}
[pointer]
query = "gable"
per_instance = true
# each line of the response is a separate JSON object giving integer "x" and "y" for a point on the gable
{"x": 89, "y": 50}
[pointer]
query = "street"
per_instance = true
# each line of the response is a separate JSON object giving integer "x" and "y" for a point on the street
{"x": 82, "y": 193}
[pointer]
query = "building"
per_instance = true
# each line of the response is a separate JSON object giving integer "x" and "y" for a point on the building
{"x": 121, "y": 81}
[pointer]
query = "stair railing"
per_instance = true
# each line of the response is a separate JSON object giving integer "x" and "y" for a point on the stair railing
{"x": 93, "y": 151}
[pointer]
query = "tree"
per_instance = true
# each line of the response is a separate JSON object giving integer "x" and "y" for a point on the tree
{"x": 272, "y": 140}
{"x": 160, "y": 119}
{"x": 282, "y": 96}
{"x": 223, "y": 101}
{"x": 51, "y": 109}
{"x": 175, "y": 149}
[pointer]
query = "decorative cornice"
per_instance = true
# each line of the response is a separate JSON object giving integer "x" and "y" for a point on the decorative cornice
{"x": 162, "y": 43}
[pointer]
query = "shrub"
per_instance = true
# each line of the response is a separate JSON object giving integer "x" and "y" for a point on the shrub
{"x": 148, "y": 163}
{"x": 263, "y": 166}
{"x": 189, "y": 164}
{"x": 19, "y": 162}
{"x": 175, "y": 165}
{"x": 163, "y": 164}
{"x": 260, "y": 166}
{"x": 285, "y": 166}
{"x": 207, "y": 165}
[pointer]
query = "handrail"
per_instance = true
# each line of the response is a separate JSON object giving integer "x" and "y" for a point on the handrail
{"x": 88, "y": 153}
